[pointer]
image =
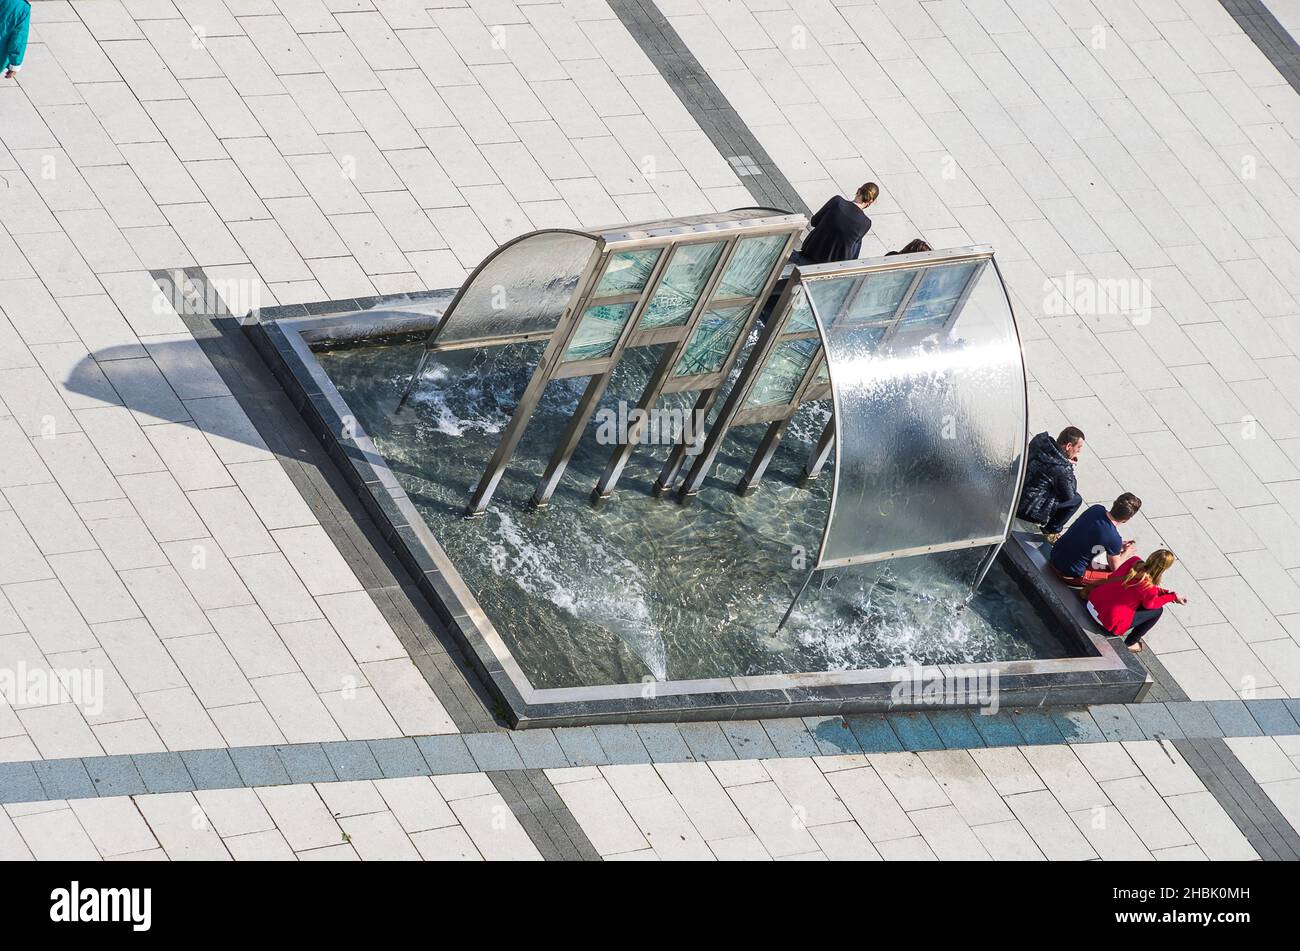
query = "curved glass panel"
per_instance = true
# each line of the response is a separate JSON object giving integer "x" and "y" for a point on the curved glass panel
{"x": 783, "y": 372}
{"x": 626, "y": 272}
{"x": 712, "y": 341}
{"x": 750, "y": 266}
{"x": 683, "y": 281}
{"x": 878, "y": 297}
{"x": 930, "y": 426}
{"x": 522, "y": 288}
{"x": 598, "y": 331}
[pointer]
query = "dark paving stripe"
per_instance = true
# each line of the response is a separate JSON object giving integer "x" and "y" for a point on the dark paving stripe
{"x": 1242, "y": 798}
{"x": 527, "y": 751}
{"x": 341, "y": 514}
{"x": 707, "y": 105}
{"x": 1269, "y": 35}
{"x": 544, "y": 816}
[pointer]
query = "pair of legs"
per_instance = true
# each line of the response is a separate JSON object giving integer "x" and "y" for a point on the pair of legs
{"x": 1061, "y": 513}
{"x": 1143, "y": 621}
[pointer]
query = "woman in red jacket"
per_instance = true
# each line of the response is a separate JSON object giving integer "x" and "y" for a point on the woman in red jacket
{"x": 1131, "y": 599}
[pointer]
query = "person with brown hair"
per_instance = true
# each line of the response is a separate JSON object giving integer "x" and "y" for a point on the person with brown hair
{"x": 915, "y": 246}
{"x": 1131, "y": 600}
{"x": 1094, "y": 533}
{"x": 838, "y": 228}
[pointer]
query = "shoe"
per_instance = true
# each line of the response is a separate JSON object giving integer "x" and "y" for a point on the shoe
{"x": 1052, "y": 536}
{"x": 1135, "y": 648}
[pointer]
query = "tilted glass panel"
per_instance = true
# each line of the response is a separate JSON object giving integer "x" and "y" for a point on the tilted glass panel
{"x": 750, "y": 266}
{"x": 823, "y": 374}
{"x": 878, "y": 298}
{"x": 782, "y": 372}
{"x": 598, "y": 331}
{"x": 929, "y": 432}
{"x": 680, "y": 287}
{"x": 523, "y": 288}
{"x": 626, "y": 272}
{"x": 801, "y": 317}
{"x": 712, "y": 341}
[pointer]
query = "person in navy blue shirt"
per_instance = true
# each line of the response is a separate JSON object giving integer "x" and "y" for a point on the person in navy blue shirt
{"x": 1094, "y": 533}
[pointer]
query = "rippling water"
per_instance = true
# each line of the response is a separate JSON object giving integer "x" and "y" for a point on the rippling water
{"x": 645, "y": 587}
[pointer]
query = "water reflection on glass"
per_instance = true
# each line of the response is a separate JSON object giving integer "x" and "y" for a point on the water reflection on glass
{"x": 683, "y": 281}
{"x": 627, "y": 272}
{"x": 782, "y": 372}
{"x": 598, "y": 331}
{"x": 712, "y": 341}
{"x": 750, "y": 266}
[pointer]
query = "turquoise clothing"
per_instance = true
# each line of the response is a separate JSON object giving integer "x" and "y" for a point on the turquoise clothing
{"x": 15, "y": 15}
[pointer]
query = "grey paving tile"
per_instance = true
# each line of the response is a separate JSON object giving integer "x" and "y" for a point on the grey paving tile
{"x": 621, "y": 744}
{"x": 874, "y": 733}
{"x": 954, "y": 729}
{"x": 163, "y": 772}
{"x": 19, "y": 783}
{"x": 114, "y": 775}
{"x": 1195, "y": 720}
{"x": 749, "y": 739}
{"x": 259, "y": 766}
{"x": 1273, "y": 717}
{"x": 1078, "y": 726}
{"x": 539, "y": 749}
{"x": 446, "y": 754}
{"x": 211, "y": 769}
{"x": 493, "y": 751}
{"x": 1156, "y": 721}
{"x": 306, "y": 763}
{"x": 997, "y": 729}
{"x": 706, "y": 741}
{"x": 581, "y": 748}
{"x": 915, "y": 731}
{"x": 352, "y": 760}
{"x": 1116, "y": 722}
{"x": 398, "y": 757}
{"x": 1037, "y": 727}
{"x": 832, "y": 735}
{"x": 664, "y": 743}
{"x": 790, "y": 737}
{"x": 1233, "y": 718}
{"x": 65, "y": 779}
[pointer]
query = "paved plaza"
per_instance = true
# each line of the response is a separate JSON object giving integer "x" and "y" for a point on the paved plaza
{"x": 273, "y": 685}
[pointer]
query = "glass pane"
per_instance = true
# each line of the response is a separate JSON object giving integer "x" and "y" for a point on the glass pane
{"x": 783, "y": 372}
{"x": 523, "y": 288}
{"x": 717, "y": 331}
{"x": 939, "y": 290}
{"x": 901, "y": 481}
{"x": 627, "y": 271}
{"x": 680, "y": 288}
{"x": 823, "y": 374}
{"x": 879, "y": 297}
{"x": 750, "y": 266}
{"x": 598, "y": 331}
{"x": 801, "y": 316}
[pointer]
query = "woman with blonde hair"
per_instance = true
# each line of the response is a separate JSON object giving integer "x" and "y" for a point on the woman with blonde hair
{"x": 1131, "y": 599}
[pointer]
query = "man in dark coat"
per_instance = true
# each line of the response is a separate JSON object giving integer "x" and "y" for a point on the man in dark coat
{"x": 1051, "y": 494}
{"x": 838, "y": 228}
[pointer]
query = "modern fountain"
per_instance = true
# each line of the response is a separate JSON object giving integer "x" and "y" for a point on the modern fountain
{"x": 858, "y": 536}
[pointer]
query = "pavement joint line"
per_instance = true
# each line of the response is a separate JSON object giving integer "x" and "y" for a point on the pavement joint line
{"x": 1189, "y": 725}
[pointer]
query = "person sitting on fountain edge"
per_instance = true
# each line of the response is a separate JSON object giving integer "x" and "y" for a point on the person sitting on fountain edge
{"x": 1093, "y": 533}
{"x": 1051, "y": 493}
{"x": 838, "y": 228}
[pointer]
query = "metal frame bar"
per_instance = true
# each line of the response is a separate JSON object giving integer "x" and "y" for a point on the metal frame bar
{"x": 713, "y": 441}
{"x": 654, "y": 385}
{"x": 820, "y": 452}
{"x": 577, "y": 424}
{"x": 519, "y": 419}
{"x": 711, "y": 385}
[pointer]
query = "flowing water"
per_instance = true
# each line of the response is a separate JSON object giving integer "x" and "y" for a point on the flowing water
{"x": 644, "y": 587}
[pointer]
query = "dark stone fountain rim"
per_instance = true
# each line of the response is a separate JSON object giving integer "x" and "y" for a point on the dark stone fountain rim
{"x": 287, "y": 337}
